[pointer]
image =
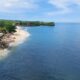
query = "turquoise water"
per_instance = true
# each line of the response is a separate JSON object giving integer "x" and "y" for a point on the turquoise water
{"x": 50, "y": 53}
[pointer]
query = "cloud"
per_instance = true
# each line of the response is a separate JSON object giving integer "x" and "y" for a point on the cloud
{"x": 63, "y": 6}
{"x": 12, "y": 5}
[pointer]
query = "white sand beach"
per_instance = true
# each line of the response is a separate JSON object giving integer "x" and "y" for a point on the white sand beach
{"x": 19, "y": 37}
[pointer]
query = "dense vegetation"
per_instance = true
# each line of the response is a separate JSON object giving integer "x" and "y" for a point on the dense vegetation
{"x": 35, "y": 23}
{"x": 9, "y": 25}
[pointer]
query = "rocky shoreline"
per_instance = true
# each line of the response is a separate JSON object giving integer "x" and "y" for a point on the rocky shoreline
{"x": 5, "y": 40}
{"x": 12, "y": 39}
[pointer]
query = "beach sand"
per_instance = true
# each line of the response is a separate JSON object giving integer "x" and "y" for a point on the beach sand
{"x": 19, "y": 37}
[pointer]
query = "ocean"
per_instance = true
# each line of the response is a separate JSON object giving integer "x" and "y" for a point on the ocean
{"x": 49, "y": 53}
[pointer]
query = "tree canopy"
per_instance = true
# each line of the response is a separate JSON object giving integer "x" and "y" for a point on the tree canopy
{"x": 10, "y": 25}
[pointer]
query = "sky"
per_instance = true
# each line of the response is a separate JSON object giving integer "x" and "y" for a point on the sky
{"x": 41, "y": 10}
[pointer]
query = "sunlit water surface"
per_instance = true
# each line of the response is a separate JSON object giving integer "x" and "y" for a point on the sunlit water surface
{"x": 50, "y": 53}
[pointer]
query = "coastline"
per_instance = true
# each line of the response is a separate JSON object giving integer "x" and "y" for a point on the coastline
{"x": 18, "y": 38}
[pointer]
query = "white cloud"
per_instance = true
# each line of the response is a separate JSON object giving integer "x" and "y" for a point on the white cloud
{"x": 63, "y": 6}
{"x": 7, "y": 5}
{"x": 59, "y": 3}
{"x": 77, "y": 2}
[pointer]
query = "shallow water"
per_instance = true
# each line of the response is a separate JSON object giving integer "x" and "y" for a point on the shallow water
{"x": 50, "y": 53}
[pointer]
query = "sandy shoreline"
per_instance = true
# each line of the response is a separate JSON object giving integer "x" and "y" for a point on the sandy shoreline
{"x": 19, "y": 37}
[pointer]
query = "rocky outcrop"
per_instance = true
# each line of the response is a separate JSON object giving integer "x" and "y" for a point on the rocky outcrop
{"x": 3, "y": 43}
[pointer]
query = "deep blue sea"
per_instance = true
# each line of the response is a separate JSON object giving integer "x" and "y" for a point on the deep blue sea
{"x": 50, "y": 53}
